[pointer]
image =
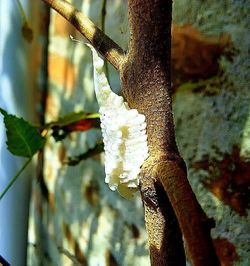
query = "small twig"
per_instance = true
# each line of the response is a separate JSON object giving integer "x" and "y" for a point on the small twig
{"x": 103, "y": 11}
{"x": 102, "y": 43}
{"x": 91, "y": 152}
{"x": 69, "y": 255}
{"x": 103, "y": 17}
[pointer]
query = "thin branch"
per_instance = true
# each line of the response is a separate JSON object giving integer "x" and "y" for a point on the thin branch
{"x": 70, "y": 256}
{"x": 194, "y": 223}
{"x": 102, "y": 43}
{"x": 103, "y": 17}
{"x": 72, "y": 161}
{"x": 104, "y": 3}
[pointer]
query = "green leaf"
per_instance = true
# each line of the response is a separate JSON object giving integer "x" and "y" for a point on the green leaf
{"x": 23, "y": 139}
{"x": 72, "y": 118}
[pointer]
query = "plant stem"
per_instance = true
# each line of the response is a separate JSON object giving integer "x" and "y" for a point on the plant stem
{"x": 12, "y": 181}
{"x": 24, "y": 18}
{"x": 103, "y": 17}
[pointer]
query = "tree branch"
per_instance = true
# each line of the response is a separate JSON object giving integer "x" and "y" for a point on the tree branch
{"x": 193, "y": 221}
{"x": 102, "y": 43}
{"x": 145, "y": 77}
{"x": 146, "y": 85}
{"x": 146, "y": 81}
{"x": 164, "y": 235}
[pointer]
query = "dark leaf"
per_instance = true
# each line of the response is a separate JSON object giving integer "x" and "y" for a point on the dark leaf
{"x": 23, "y": 139}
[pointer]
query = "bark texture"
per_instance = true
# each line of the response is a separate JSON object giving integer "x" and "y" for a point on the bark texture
{"x": 164, "y": 235}
{"x": 146, "y": 85}
{"x": 146, "y": 74}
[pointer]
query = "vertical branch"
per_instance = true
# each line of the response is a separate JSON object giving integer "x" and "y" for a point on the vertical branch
{"x": 146, "y": 85}
{"x": 103, "y": 17}
{"x": 146, "y": 76}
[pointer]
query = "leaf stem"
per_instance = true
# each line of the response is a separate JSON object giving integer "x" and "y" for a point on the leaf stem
{"x": 12, "y": 181}
{"x": 24, "y": 18}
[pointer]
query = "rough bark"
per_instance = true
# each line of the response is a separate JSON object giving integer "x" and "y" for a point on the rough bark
{"x": 164, "y": 235}
{"x": 146, "y": 85}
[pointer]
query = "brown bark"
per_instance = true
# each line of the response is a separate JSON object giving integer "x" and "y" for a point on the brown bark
{"x": 103, "y": 44}
{"x": 193, "y": 222}
{"x": 146, "y": 85}
{"x": 164, "y": 235}
{"x": 146, "y": 82}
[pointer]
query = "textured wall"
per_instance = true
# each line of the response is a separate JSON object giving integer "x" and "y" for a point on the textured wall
{"x": 79, "y": 219}
{"x": 213, "y": 127}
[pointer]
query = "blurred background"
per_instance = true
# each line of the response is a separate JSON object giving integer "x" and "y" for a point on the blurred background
{"x": 61, "y": 212}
